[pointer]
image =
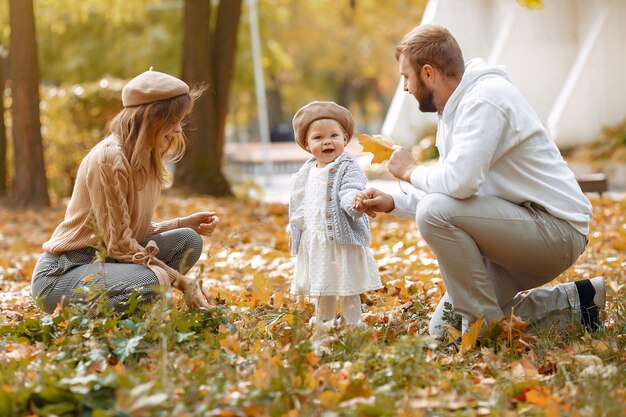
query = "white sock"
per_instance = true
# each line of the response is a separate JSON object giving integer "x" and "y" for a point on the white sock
{"x": 351, "y": 309}
{"x": 600, "y": 298}
{"x": 325, "y": 308}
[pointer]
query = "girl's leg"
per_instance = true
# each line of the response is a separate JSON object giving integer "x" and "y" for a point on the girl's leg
{"x": 325, "y": 308}
{"x": 351, "y": 309}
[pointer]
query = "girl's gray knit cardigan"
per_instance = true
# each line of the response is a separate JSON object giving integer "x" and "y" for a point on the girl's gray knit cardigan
{"x": 344, "y": 224}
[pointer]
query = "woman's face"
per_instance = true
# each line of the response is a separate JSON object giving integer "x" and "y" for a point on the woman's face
{"x": 173, "y": 131}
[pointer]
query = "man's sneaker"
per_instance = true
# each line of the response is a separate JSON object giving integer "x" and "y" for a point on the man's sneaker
{"x": 453, "y": 347}
{"x": 592, "y": 296}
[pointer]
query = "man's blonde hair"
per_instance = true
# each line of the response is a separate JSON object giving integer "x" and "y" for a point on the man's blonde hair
{"x": 432, "y": 44}
{"x": 141, "y": 129}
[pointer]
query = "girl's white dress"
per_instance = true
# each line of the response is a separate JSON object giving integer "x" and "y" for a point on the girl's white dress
{"x": 322, "y": 266}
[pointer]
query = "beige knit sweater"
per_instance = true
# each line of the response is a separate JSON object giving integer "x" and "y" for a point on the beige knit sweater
{"x": 107, "y": 209}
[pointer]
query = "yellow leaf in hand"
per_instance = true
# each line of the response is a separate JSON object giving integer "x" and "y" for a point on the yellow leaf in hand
{"x": 531, "y": 4}
{"x": 379, "y": 146}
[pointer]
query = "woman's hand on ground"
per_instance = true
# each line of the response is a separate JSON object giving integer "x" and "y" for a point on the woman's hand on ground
{"x": 203, "y": 222}
{"x": 196, "y": 296}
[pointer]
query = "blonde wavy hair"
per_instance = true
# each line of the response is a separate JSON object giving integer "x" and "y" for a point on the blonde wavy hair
{"x": 141, "y": 130}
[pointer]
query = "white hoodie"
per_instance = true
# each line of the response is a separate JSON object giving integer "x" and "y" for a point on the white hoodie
{"x": 491, "y": 142}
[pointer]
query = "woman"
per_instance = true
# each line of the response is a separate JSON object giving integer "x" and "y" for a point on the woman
{"x": 107, "y": 238}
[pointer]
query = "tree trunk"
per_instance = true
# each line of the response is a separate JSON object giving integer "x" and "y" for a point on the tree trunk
{"x": 208, "y": 57}
{"x": 274, "y": 102}
{"x": 3, "y": 132}
{"x": 29, "y": 187}
{"x": 345, "y": 92}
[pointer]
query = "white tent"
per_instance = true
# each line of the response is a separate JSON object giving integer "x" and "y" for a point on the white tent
{"x": 567, "y": 59}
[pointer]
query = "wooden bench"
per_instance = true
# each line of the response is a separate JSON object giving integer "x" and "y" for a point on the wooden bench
{"x": 593, "y": 183}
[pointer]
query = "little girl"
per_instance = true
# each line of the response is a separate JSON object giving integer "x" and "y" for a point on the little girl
{"x": 328, "y": 236}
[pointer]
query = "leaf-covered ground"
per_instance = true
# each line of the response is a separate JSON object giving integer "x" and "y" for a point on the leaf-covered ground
{"x": 253, "y": 353}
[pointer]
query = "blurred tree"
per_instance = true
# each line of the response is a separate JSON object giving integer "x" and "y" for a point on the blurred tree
{"x": 29, "y": 185}
{"x": 83, "y": 41}
{"x": 208, "y": 58}
{"x": 3, "y": 132}
{"x": 341, "y": 50}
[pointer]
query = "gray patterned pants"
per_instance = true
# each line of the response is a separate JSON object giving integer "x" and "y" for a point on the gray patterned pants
{"x": 56, "y": 278}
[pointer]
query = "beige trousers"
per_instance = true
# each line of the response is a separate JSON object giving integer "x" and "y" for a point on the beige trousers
{"x": 490, "y": 250}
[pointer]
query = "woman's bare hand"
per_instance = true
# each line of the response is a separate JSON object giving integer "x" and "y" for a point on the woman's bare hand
{"x": 203, "y": 222}
{"x": 196, "y": 296}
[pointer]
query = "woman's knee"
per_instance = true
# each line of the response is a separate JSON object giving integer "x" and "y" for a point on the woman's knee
{"x": 192, "y": 239}
{"x": 191, "y": 248}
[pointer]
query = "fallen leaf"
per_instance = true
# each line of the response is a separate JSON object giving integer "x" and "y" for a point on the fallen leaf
{"x": 470, "y": 337}
{"x": 537, "y": 397}
{"x": 587, "y": 360}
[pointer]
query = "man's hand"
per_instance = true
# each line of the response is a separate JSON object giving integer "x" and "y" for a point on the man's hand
{"x": 401, "y": 164}
{"x": 373, "y": 200}
{"x": 203, "y": 222}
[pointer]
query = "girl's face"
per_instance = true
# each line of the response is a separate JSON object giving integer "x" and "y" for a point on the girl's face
{"x": 325, "y": 140}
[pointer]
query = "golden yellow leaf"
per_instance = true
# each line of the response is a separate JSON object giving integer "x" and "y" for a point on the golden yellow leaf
{"x": 312, "y": 358}
{"x": 264, "y": 295}
{"x": 531, "y": 4}
{"x": 231, "y": 343}
{"x": 600, "y": 346}
{"x": 377, "y": 145}
{"x": 552, "y": 411}
{"x": 355, "y": 388}
{"x": 279, "y": 299}
{"x": 453, "y": 334}
{"x": 469, "y": 338}
{"x": 329, "y": 399}
{"x": 260, "y": 281}
{"x": 537, "y": 397}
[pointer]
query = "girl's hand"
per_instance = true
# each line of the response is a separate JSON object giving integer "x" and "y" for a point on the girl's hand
{"x": 358, "y": 202}
{"x": 203, "y": 222}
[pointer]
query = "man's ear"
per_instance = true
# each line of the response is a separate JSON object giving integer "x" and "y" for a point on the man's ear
{"x": 429, "y": 72}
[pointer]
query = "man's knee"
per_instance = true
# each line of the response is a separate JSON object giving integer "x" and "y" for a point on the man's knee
{"x": 432, "y": 210}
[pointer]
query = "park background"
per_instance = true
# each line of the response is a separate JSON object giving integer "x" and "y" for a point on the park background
{"x": 63, "y": 66}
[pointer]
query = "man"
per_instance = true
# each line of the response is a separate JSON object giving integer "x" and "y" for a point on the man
{"x": 501, "y": 210}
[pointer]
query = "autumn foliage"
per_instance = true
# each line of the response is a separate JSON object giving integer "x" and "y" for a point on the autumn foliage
{"x": 253, "y": 354}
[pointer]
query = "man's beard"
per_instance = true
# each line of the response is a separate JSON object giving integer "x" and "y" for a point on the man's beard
{"x": 427, "y": 102}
